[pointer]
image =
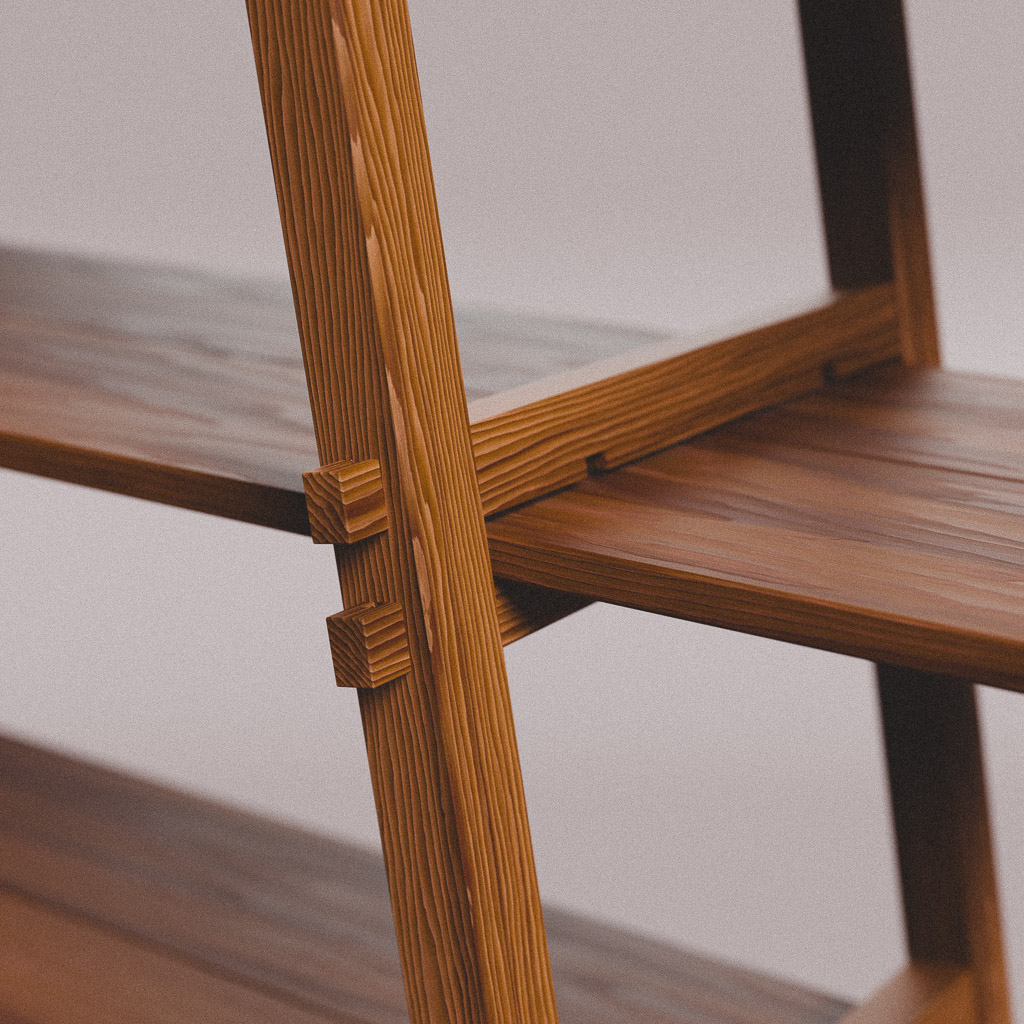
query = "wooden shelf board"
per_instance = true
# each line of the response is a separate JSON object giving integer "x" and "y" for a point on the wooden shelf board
{"x": 122, "y": 900}
{"x": 881, "y": 517}
{"x": 188, "y": 389}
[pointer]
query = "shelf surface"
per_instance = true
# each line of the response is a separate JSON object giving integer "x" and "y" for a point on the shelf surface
{"x": 188, "y": 388}
{"x": 120, "y": 900}
{"x": 882, "y": 517}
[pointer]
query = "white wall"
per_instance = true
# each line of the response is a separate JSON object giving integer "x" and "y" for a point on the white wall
{"x": 721, "y": 791}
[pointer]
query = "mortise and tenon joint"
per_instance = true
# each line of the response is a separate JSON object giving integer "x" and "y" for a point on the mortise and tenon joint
{"x": 346, "y": 504}
{"x": 369, "y": 645}
{"x": 345, "y": 501}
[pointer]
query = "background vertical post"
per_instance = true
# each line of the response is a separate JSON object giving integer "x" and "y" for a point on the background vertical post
{"x": 862, "y": 112}
{"x": 348, "y": 144}
{"x": 940, "y": 812}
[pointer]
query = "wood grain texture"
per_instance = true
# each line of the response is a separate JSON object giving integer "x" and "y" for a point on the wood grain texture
{"x": 296, "y": 917}
{"x": 345, "y": 501}
{"x": 882, "y": 517}
{"x": 937, "y": 787}
{"x": 921, "y": 993}
{"x": 56, "y": 967}
{"x": 187, "y": 389}
{"x": 168, "y": 385}
{"x": 862, "y": 113}
{"x": 345, "y": 125}
{"x": 369, "y": 645}
{"x": 552, "y": 443}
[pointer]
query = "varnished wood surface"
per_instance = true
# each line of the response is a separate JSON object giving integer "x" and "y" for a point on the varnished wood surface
{"x": 167, "y": 385}
{"x": 198, "y": 913}
{"x": 188, "y": 389}
{"x": 883, "y": 518}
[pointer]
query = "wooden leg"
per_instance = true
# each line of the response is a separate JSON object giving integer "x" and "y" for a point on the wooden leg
{"x": 937, "y": 786}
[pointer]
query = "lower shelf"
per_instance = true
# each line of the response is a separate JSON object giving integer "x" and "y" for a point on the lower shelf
{"x": 880, "y": 517}
{"x": 121, "y": 900}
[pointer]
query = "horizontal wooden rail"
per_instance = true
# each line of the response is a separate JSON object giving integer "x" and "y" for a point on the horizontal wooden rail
{"x": 529, "y": 451}
{"x": 524, "y": 608}
{"x": 921, "y": 994}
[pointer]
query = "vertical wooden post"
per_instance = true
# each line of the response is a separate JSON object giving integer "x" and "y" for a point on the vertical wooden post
{"x": 345, "y": 125}
{"x": 937, "y": 786}
{"x": 862, "y": 112}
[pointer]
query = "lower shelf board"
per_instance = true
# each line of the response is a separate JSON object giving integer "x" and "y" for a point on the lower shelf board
{"x": 124, "y": 901}
{"x": 881, "y": 517}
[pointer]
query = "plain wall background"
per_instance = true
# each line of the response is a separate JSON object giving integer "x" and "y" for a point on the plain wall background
{"x": 649, "y": 165}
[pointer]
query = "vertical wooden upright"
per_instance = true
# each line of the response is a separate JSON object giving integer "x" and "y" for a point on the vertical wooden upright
{"x": 345, "y": 124}
{"x": 937, "y": 785}
{"x": 862, "y": 112}
{"x": 864, "y": 129}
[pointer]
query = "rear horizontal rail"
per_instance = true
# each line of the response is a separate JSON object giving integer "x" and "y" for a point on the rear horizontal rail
{"x": 529, "y": 451}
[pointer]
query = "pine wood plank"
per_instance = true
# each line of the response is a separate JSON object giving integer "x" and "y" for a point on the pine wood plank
{"x": 882, "y": 517}
{"x": 301, "y": 918}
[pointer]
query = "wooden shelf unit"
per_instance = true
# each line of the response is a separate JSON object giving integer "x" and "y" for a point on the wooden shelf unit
{"x": 817, "y": 480}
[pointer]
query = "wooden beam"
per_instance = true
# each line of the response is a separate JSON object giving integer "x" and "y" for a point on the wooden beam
{"x": 921, "y": 994}
{"x": 940, "y": 813}
{"x": 348, "y": 144}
